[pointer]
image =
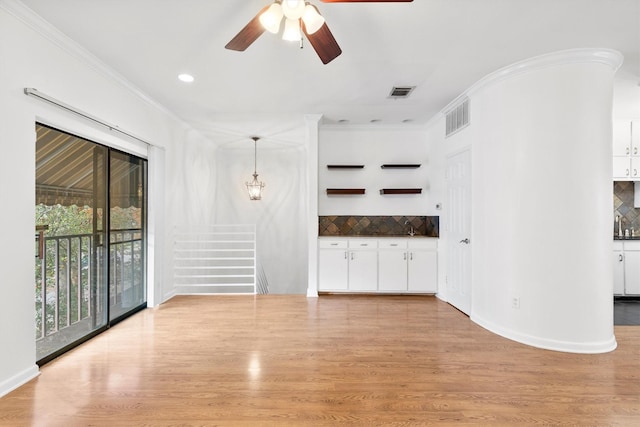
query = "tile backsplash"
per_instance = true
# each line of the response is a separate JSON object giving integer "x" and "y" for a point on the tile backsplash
{"x": 623, "y": 207}
{"x": 378, "y": 225}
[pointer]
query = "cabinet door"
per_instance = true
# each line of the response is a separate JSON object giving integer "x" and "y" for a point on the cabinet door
{"x": 363, "y": 271}
{"x": 632, "y": 272}
{"x": 622, "y": 138}
{"x": 392, "y": 271}
{"x": 423, "y": 271}
{"x": 333, "y": 271}
{"x": 634, "y": 171}
{"x": 635, "y": 138}
{"x": 621, "y": 167}
{"x": 618, "y": 273}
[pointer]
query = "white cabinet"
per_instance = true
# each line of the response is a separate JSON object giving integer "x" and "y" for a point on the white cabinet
{"x": 392, "y": 265}
{"x": 363, "y": 260}
{"x": 626, "y": 167}
{"x": 626, "y": 149}
{"x": 626, "y": 267}
{"x": 334, "y": 259}
{"x": 408, "y": 265}
{"x": 348, "y": 265}
{"x": 423, "y": 271}
{"x": 362, "y": 271}
{"x": 386, "y": 265}
{"x": 632, "y": 272}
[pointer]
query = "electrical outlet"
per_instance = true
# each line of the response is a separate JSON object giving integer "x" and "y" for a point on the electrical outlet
{"x": 515, "y": 303}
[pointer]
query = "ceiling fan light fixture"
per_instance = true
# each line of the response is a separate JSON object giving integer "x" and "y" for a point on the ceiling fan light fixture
{"x": 291, "y": 30}
{"x": 293, "y": 9}
{"x": 272, "y": 18}
{"x": 312, "y": 19}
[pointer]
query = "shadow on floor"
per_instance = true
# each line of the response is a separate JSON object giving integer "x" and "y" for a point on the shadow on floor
{"x": 626, "y": 311}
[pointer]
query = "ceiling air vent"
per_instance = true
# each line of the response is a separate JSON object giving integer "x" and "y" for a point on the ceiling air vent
{"x": 457, "y": 118}
{"x": 401, "y": 91}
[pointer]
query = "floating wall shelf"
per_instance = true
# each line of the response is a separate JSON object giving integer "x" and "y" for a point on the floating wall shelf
{"x": 400, "y": 166}
{"x": 344, "y": 191}
{"x": 345, "y": 166}
{"x": 401, "y": 191}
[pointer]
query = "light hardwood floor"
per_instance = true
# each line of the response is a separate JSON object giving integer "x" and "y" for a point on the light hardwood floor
{"x": 335, "y": 360}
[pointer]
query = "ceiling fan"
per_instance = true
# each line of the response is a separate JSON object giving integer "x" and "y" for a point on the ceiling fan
{"x": 299, "y": 17}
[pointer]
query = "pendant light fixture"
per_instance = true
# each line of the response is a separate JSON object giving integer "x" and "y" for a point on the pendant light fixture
{"x": 255, "y": 187}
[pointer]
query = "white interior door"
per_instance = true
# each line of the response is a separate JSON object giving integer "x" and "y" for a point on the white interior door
{"x": 458, "y": 230}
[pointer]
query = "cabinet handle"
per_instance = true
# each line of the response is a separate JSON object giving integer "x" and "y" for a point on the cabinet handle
{"x": 620, "y": 258}
{"x": 394, "y": 244}
{"x": 351, "y": 255}
{"x": 410, "y": 256}
{"x": 345, "y": 254}
{"x": 334, "y": 244}
{"x": 635, "y": 172}
{"x": 405, "y": 256}
{"x": 627, "y": 150}
{"x": 627, "y": 173}
{"x": 635, "y": 150}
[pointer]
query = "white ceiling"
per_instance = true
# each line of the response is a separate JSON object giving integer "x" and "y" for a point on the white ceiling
{"x": 440, "y": 46}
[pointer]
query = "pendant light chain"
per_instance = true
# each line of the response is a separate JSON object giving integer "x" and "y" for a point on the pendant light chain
{"x": 255, "y": 154}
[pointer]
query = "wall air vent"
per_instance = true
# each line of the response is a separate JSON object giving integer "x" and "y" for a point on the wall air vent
{"x": 401, "y": 91}
{"x": 457, "y": 118}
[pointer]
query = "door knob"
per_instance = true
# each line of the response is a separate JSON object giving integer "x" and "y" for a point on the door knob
{"x": 465, "y": 241}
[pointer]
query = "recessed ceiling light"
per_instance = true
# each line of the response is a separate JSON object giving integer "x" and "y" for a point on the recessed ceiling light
{"x": 187, "y": 78}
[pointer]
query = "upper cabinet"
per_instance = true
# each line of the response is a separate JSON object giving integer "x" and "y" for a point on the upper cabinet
{"x": 626, "y": 139}
{"x": 626, "y": 150}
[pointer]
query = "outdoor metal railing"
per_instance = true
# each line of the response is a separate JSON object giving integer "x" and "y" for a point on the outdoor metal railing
{"x": 64, "y": 269}
{"x": 126, "y": 276}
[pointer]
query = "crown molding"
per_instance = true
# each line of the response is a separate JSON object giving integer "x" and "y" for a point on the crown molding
{"x": 34, "y": 21}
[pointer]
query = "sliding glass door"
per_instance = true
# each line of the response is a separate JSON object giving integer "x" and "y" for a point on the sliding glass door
{"x": 90, "y": 261}
{"x": 127, "y": 237}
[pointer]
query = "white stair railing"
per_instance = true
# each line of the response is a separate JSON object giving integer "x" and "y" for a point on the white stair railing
{"x": 216, "y": 259}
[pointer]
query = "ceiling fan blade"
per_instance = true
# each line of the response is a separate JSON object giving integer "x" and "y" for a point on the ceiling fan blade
{"x": 248, "y": 34}
{"x": 323, "y": 43}
{"x": 366, "y": 1}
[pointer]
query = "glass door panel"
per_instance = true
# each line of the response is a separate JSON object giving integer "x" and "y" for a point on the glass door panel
{"x": 70, "y": 275}
{"x": 127, "y": 231}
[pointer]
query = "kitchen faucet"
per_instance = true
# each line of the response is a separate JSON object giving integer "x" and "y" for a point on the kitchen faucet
{"x": 411, "y": 230}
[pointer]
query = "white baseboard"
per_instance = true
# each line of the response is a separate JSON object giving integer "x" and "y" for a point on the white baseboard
{"x": 594, "y": 347}
{"x": 19, "y": 379}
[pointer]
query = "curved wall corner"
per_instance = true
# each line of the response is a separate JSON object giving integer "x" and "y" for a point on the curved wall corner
{"x": 542, "y": 216}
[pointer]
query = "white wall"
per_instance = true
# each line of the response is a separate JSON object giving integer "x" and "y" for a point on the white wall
{"x": 280, "y": 216}
{"x": 373, "y": 146}
{"x": 34, "y": 55}
{"x": 540, "y": 136}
